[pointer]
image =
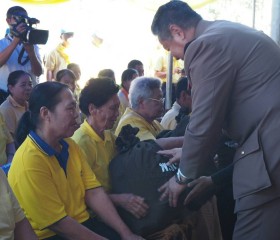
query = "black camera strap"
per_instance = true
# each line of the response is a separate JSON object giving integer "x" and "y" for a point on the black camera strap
{"x": 20, "y": 56}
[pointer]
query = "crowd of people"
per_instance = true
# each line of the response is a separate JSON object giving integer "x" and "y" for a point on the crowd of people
{"x": 58, "y": 138}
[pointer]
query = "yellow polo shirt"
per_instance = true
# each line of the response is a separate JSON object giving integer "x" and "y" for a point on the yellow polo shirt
{"x": 12, "y": 113}
{"x": 10, "y": 211}
{"x": 57, "y": 59}
{"x": 5, "y": 138}
{"x": 98, "y": 152}
{"x": 45, "y": 192}
{"x": 147, "y": 130}
{"x": 162, "y": 66}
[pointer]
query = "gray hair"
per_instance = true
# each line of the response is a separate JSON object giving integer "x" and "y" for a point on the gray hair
{"x": 142, "y": 88}
{"x": 173, "y": 12}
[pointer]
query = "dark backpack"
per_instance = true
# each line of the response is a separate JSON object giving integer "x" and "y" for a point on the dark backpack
{"x": 138, "y": 169}
{"x": 141, "y": 171}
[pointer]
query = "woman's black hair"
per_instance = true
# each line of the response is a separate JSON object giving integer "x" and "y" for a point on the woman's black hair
{"x": 45, "y": 94}
{"x": 97, "y": 91}
{"x": 14, "y": 77}
{"x": 127, "y": 75}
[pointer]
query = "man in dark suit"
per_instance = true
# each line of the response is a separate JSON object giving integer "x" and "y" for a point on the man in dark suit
{"x": 235, "y": 77}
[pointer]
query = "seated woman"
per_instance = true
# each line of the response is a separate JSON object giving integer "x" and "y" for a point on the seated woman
{"x": 128, "y": 76}
{"x": 7, "y": 146}
{"x": 100, "y": 103}
{"x": 146, "y": 101}
{"x": 19, "y": 89}
{"x": 50, "y": 177}
{"x": 75, "y": 68}
{"x": 67, "y": 77}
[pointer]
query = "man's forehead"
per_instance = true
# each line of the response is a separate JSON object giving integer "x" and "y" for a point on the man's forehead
{"x": 19, "y": 14}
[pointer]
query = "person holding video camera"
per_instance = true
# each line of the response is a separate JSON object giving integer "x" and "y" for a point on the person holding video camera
{"x": 16, "y": 53}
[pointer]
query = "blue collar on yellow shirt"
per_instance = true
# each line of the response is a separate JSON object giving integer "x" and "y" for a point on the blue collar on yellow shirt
{"x": 62, "y": 157}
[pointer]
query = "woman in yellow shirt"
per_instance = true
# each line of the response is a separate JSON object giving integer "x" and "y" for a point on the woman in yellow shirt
{"x": 50, "y": 178}
{"x": 100, "y": 103}
{"x": 19, "y": 88}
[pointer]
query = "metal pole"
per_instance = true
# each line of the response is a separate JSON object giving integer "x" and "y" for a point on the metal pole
{"x": 254, "y": 13}
{"x": 275, "y": 21}
{"x": 168, "y": 96}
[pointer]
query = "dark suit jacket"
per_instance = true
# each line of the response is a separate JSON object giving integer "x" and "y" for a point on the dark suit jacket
{"x": 235, "y": 75}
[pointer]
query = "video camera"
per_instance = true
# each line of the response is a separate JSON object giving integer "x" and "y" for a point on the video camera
{"x": 31, "y": 35}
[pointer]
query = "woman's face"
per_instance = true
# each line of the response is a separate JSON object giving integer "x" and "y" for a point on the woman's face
{"x": 22, "y": 89}
{"x": 107, "y": 114}
{"x": 128, "y": 83}
{"x": 69, "y": 81}
{"x": 63, "y": 119}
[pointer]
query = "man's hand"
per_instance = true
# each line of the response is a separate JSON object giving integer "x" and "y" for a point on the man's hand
{"x": 199, "y": 186}
{"x": 134, "y": 204}
{"x": 174, "y": 155}
{"x": 172, "y": 190}
{"x": 18, "y": 30}
{"x": 177, "y": 70}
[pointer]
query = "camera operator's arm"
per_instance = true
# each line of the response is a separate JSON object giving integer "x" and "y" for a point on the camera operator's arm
{"x": 7, "y": 52}
{"x": 36, "y": 66}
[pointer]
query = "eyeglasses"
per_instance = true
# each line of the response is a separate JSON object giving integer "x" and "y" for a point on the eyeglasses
{"x": 161, "y": 100}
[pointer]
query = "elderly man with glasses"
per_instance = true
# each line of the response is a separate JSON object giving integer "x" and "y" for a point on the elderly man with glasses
{"x": 145, "y": 97}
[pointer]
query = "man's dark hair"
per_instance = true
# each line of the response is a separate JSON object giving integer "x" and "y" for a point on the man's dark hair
{"x": 174, "y": 12}
{"x": 14, "y": 10}
{"x": 182, "y": 85}
{"x": 133, "y": 63}
{"x": 97, "y": 92}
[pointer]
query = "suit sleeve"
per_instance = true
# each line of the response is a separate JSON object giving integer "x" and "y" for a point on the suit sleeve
{"x": 211, "y": 71}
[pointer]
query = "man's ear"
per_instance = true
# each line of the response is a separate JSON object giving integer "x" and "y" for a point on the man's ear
{"x": 176, "y": 31}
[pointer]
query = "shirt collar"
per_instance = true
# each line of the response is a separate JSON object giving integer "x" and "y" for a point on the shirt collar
{"x": 61, "y": 157}
{"x": 187, "y": 45}
{"x": 46, "y": 148}
{"x": 16, "y": 104}
{"x": 94, "y": 135}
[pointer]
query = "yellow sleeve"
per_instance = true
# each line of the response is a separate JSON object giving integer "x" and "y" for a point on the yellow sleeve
{"x": 5, "y": 131}
{"x": 10, "y": 120}
{"x": 9, "y": 205}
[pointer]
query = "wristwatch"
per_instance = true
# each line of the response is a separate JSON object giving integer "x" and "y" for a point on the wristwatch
{"x": 181, "y": 179}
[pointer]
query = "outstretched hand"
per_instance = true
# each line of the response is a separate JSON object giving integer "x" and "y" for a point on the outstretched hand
{"x": 173, "y": 154}
{"x": 172, "y": 191}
